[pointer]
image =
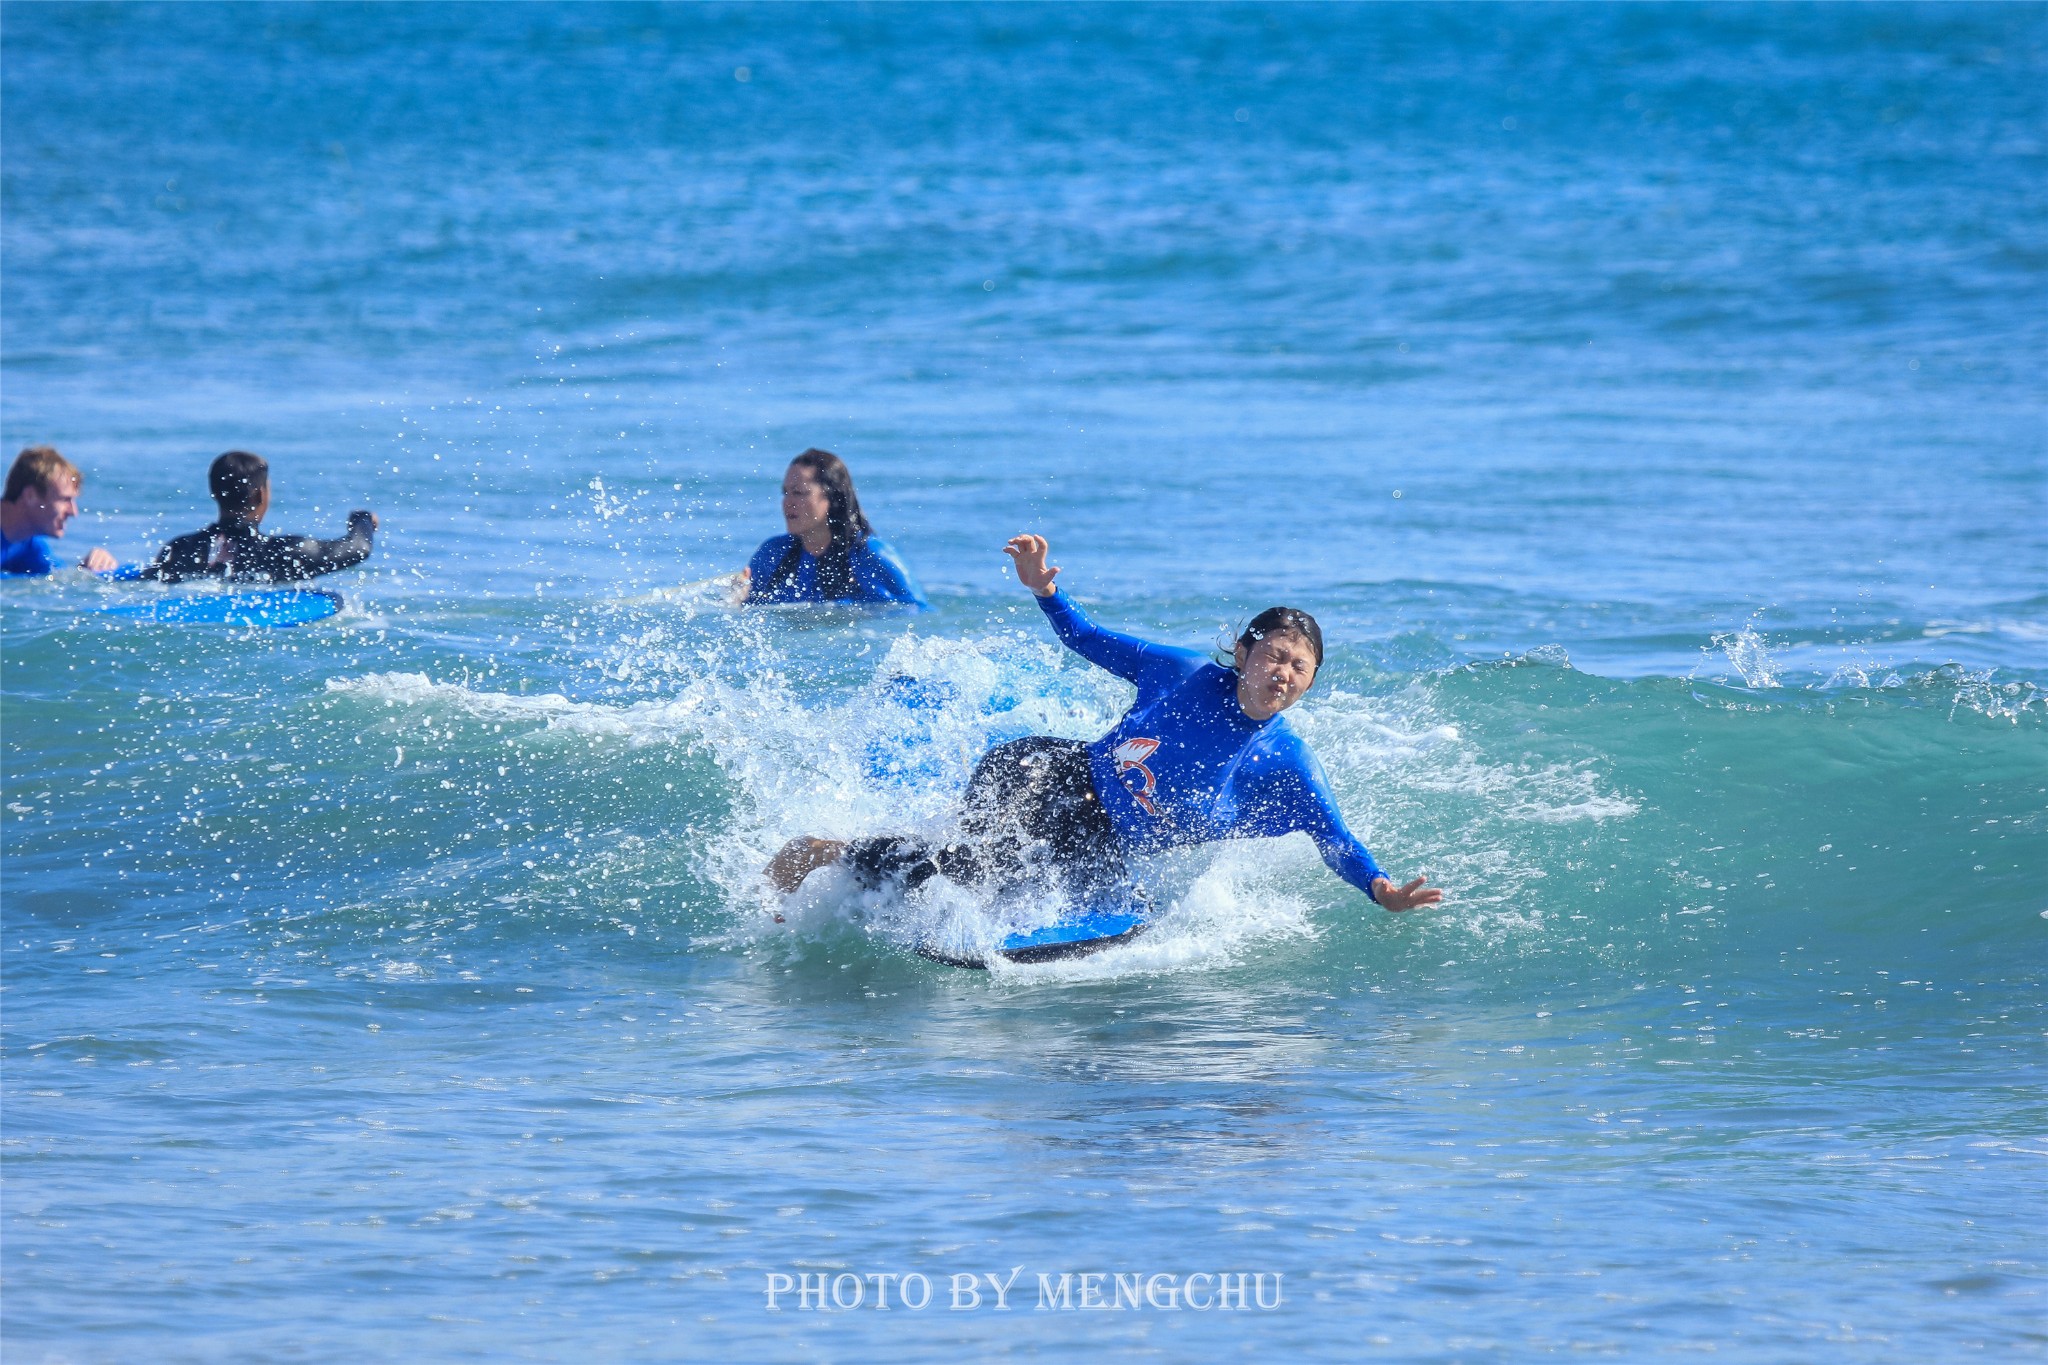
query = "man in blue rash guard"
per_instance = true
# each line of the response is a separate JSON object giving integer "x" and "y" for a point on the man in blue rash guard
{"x": 41, "y": 495}
{"x": 831, "y": 553}
{"x": 1203, "y": 754}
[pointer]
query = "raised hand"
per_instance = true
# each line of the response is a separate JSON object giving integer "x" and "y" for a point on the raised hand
{"x": 1392, "y": 897}
{"x": 1028, "y": 553}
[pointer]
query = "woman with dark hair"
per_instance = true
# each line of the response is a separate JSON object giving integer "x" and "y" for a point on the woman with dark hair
{"x": 830, "y": 553}
{"x": 1203, "y": 754}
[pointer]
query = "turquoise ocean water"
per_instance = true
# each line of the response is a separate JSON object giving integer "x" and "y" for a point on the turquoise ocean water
{"x": 1649, "y": 401}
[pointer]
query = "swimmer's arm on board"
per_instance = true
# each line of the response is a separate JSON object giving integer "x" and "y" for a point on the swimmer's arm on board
{"x": 41, "y": 554}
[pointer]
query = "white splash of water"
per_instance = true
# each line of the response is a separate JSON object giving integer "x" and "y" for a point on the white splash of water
{"x": 890, "y": 752}
{"x": 1750, "y": 656}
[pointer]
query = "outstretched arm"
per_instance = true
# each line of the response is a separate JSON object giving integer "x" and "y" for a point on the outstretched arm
{"x": 1348, "y": 859}
{"x": 1135, "y": 661}
{"x": 282, "y": 558}
{"x": 1306, "y": 804}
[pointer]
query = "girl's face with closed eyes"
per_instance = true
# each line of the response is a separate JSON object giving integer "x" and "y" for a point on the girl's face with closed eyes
{"x": 1274, "y": 673}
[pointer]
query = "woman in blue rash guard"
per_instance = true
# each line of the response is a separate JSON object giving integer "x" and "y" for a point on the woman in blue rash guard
{"x": 1203, "y": 754}
{"x": 830, "y": 553}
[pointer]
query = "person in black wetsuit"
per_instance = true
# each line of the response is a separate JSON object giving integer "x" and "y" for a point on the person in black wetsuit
{"x": 233, "y": 549}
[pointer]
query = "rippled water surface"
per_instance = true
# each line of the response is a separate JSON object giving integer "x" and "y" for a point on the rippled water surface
{"x": 1648, "y": 401}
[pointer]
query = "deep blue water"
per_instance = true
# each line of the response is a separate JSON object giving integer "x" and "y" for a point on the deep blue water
{"x": 1649, "y": 401}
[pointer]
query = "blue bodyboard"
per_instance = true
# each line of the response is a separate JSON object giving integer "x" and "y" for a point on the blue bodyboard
{"x": 1077, "y": 933}
{"x": 905, "y": 755}
{"x": 274, "y": 608}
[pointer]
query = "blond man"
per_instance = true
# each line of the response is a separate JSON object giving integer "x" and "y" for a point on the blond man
{"x": 41, "y": 495}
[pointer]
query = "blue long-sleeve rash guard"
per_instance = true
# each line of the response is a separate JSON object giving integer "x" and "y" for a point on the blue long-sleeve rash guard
{"x": 29, "y": 555}
{"x": 878, "y": 575}
{"x": 1186, "y": 765}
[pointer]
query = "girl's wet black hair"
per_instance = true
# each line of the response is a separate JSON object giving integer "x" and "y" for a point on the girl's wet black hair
{"x": 850, "y": 529}
{"x": 1284, "y": 621}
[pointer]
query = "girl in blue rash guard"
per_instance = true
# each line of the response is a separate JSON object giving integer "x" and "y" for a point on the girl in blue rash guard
{"x": 830, "y": 553}
{"x": 1203, "y": 754}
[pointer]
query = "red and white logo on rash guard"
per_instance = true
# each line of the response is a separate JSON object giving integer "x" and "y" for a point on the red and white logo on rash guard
{"x": 1130, "y": 756}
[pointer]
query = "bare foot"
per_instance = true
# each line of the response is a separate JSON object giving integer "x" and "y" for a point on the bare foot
{"x": 799, "y": 859}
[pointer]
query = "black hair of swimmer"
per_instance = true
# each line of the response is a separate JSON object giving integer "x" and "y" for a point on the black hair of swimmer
{"x": 850, "y": 528}
{"x": 238, "y": 481}
{"x": 1284, "y": 621}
